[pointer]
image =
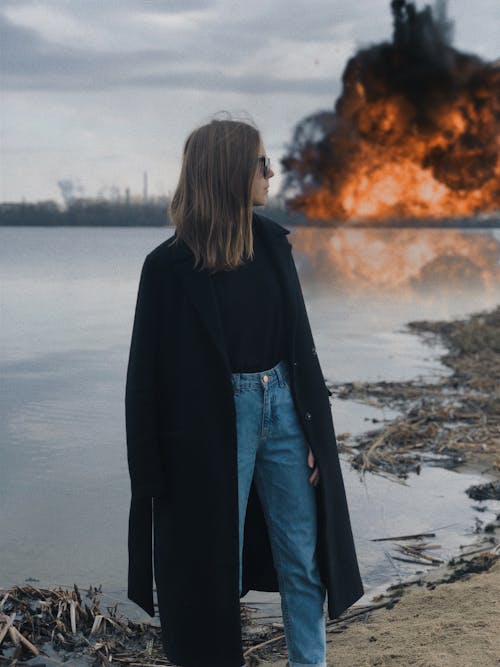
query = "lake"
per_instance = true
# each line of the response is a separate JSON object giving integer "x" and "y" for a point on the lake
{"x": 67, "y": 298}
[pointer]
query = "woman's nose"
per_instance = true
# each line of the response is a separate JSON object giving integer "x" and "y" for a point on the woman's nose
{"x": 271, "y": 173}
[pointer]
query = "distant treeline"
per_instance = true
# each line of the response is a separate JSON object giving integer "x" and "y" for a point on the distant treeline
{"x": 96, "y": 213}
{"x": 85, "y": 213}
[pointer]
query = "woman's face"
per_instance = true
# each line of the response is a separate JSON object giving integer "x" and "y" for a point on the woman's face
{"x": 260, "y": 185}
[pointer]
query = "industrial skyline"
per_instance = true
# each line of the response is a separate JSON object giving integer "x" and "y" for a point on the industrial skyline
{"x": 97, "y": 94}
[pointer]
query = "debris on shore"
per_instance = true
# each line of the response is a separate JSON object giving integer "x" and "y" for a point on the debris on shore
{"x": 488, "y": 491}
{"x": 50, "y": 626}
{"x": 43, "y": 627}
{"x": 448, "y": 422}
{"x": 47, "y": 627}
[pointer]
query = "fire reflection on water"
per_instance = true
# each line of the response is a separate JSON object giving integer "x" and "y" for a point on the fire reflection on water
{"x": 374, "y": 260}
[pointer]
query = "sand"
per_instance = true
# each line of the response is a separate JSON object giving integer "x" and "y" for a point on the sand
{"x": 453, "y": 625}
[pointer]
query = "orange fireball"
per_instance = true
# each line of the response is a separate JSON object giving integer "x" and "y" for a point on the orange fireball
{"x": 415, "y": 133}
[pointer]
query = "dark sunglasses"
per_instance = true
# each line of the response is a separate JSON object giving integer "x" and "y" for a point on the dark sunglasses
{"x": 265, "y": 165}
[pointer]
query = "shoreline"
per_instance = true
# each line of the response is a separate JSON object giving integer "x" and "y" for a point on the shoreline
{"x": 455, "y": 422}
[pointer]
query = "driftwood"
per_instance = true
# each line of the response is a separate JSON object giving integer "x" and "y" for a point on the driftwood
{"x": 8, "y": 620}
{"x": 416, "y": 555}
{"x": 415, "y": 536}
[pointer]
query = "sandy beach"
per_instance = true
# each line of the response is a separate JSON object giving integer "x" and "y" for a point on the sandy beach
{"x": 451, "y": 625}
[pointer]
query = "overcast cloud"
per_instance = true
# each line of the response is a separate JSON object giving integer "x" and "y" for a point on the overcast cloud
{"x": 101, "y": 90}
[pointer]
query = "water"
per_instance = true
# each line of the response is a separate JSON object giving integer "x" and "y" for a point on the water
{"x": 66, "y": 305}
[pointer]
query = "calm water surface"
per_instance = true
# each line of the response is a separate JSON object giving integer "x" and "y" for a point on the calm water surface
{"x": 67, "y": 299}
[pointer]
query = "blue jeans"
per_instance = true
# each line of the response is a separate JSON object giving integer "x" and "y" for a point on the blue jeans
{"x": 272, "y": 446}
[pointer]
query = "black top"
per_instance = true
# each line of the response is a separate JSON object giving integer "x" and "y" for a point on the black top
{"x": 252, "y": 309}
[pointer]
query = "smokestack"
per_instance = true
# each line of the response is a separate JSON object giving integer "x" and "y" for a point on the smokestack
{"x": 145, "y": 186}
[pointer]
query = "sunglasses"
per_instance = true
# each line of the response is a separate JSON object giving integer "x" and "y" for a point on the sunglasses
{"x": 265, "y": 165}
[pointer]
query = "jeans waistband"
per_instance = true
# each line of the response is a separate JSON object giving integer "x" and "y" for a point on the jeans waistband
{"x": 279, "y": 374}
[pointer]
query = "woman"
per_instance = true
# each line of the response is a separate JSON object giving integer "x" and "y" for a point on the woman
{"x": 231, "y": 446}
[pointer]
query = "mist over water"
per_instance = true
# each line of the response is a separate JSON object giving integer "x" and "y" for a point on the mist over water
{"x": 67, "y": 298}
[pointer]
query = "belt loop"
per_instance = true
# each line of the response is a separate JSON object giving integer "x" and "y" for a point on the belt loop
{"x": 280, "y": 372}
{"x": 277, "y": 371}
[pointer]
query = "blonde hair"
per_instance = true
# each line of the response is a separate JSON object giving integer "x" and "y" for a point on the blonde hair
{"x": 212, "y": 205}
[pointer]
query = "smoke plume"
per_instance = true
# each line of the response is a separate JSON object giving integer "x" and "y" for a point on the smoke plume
{"x": 415, "y": 132}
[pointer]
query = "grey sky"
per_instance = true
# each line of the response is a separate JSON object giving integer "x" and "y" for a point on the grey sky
{"x": 101, "y": 90}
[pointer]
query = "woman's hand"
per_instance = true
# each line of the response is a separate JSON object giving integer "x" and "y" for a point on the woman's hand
{"x": 314, "y": 478}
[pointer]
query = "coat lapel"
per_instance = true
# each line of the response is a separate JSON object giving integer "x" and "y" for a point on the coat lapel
{"x": 280, "y": 252}
{"x": 199, "y": 288}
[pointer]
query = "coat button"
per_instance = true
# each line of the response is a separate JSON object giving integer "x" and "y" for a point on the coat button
{"x": 314, "y": 351}
{"x": 295, "y": 363}
{"x": 308, "y": 416}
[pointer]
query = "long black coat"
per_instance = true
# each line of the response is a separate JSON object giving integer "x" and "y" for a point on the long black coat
{"x": 181, "y": 443}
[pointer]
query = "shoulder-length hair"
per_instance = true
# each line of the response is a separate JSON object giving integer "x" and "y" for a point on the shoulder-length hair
{"x": 212, "y": 205}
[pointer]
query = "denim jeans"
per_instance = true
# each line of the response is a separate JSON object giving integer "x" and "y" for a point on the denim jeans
{"x": 272, "y": 446}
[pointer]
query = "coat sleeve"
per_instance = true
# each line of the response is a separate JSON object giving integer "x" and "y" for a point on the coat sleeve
{"x": 141, "y": 396}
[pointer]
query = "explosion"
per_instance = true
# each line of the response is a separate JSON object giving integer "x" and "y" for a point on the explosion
{"x": 414, "y": 134}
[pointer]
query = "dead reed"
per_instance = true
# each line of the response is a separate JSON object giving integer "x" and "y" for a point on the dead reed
{"x": 447, "y": 422}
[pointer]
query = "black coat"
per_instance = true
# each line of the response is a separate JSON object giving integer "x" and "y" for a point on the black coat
{"x": 181, "y": 442}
